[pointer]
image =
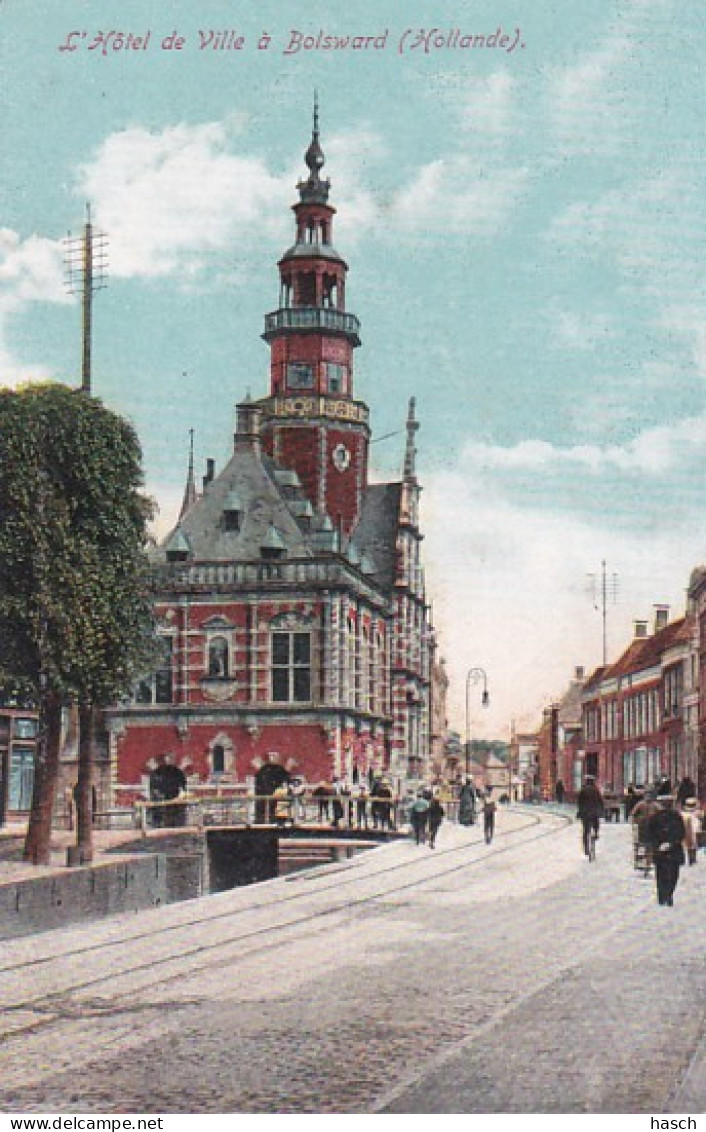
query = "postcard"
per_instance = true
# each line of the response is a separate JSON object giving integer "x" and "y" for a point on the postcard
{"x": 403, "y": 306}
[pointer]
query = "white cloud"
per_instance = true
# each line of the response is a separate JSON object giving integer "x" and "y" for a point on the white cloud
{"x": 459, "y": 195}
{"x": 170, "y": 199}
{"x": 31, "y": 270}
{"x": 511, "y": 595}
{"x": 489, "y": 105}
{"x": 654, "y": 451}
{"x": 582, "y": 96}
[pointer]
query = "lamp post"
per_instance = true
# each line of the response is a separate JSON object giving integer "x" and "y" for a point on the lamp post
{"x": 472, "y": 677}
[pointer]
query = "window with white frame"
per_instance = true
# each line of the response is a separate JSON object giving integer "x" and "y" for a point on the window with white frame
{"x": 291, "y": 666}
{"x": 158, "y": 687}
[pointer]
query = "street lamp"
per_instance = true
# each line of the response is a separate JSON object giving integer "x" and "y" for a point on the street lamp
{"x": 472, "y": 677}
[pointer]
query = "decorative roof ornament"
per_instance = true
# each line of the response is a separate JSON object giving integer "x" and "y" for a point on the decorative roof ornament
{"x": 314, "y": 190}
{"x": 410, "y": 450}
{"x": 190, "y": 495}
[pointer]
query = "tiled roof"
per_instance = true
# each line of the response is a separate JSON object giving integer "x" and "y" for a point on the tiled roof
{"x": 646, "y": 652}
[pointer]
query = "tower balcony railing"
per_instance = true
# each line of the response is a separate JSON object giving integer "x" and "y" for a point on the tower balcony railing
{"x": 312, "y": 318}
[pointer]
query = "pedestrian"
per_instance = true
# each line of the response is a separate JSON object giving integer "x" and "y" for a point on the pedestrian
{"x": 385, "y": 796}
{"x": 590, "y": 808}
{"x": 322, "y": 793}
{"x": 419, "y": 816}
{"x": 692, "y": 819}
{"x": 559, "y": 791}
{"x": 282, "y": 804}
{"x": 686, "y": 789}
{"x": 467, "y": 804}
{"x": 640, "y": 814}
{"x": 489, "y": 808}
{"x": 436, "y": 816}
{"x": 361, "y": 806}
{"x": 665, "y": 834}
{"x": 337, "y": 803}
{"x": 664, "y": 786}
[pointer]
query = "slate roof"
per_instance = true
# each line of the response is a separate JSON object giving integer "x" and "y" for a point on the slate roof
{"x": 375, "y": 537}
{"x": 266, "y": 518}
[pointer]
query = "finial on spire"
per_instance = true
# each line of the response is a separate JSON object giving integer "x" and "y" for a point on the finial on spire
{"x": 410, "y": 450}
{"x": 314, "y": 189}
{"x": 190, "y": 489}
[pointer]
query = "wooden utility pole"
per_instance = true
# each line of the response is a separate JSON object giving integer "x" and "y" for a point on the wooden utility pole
{"x": 86, "y": 264}
{"x": 86, "y": 273}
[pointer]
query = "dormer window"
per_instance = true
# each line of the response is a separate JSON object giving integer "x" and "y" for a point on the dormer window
{"x": 178, "y": 548}
{"x": 232, "y": 512}
{"x": 273, "y": 546}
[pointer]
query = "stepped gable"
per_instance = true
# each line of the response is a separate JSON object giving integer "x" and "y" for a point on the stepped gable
{"x": 376, "y": 533}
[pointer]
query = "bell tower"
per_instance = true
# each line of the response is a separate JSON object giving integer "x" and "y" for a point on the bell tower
{"x": 311, "y": 423}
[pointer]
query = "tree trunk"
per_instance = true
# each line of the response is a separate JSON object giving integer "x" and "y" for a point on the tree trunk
{"x": 84, "y": 786}
{"x": 46, "y": 771}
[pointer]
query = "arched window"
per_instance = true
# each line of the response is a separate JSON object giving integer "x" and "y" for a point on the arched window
{"x": 219, "y": 759}
{"x": 218, "y": 657}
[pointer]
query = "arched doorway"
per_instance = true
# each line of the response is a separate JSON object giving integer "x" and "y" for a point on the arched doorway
{"x": 167, "y": 782}
{"x": 267, "y": 779}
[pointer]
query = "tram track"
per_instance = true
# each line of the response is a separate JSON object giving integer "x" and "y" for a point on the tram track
{"x": 155, "y": 968}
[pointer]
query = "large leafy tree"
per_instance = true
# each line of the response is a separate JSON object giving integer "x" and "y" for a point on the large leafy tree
{"x": 75, "y": 604}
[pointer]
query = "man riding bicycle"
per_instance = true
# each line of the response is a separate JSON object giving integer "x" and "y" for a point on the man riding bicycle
{"x": 590, "y": 809}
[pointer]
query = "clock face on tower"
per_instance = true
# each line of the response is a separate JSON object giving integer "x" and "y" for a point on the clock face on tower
{"x": 341, "y": 457}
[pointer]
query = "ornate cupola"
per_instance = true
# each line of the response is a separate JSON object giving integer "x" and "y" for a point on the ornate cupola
{"x": 310, "y": 421}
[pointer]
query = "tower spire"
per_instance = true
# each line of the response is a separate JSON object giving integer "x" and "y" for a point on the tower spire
{"x": 410, "y": 450}
{"x": 314, "y": 190}
{"x": 190, "y": 489}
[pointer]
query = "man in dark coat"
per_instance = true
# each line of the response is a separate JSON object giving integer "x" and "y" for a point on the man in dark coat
{"x": 665, "y": 834}
{"x": 436, "y": 816}
{"x": 687, "y": 789}
{"x": 590, "y": 808}
{"x": 419, "y": 816}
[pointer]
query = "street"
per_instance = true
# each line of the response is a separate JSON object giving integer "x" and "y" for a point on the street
{"x": 514, "y": 977}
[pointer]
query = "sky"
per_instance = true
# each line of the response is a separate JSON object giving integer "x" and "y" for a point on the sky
{"x": 524, "y": 225}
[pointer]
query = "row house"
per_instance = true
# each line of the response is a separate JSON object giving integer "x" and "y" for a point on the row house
{"x": 695, "y": 692}
{"x": 638, "y": 720}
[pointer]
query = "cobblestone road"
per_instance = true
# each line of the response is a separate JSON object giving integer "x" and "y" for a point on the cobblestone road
{"x": 514, "y": 978}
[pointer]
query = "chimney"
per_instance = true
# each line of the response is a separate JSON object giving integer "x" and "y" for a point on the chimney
{"x": 247, "y": 428}
{"x": 579, "y": 672}
{"x": 210, "y": 473}
{"x": 661, "y": 617}
{"x": 640, "y": 633}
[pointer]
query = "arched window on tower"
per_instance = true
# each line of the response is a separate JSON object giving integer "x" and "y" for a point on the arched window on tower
{"x": 218, "y": 657}
{"x": 218, "y": 758}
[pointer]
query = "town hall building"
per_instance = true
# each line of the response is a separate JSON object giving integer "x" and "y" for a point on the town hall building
{"x": 291, "y": 604}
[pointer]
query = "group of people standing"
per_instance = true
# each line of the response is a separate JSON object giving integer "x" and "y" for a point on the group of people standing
{"x": 426, "y": 815}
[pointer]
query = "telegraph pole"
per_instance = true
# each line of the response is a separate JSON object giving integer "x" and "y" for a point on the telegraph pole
{"x": 86, "y": 273}
{"x": 608, "y": 590}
